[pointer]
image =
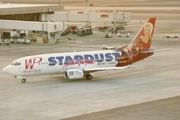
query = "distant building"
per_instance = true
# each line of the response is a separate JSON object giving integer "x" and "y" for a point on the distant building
{"x": 26, "y": 12}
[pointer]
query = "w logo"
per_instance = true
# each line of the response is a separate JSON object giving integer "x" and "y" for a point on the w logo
{"x": 30, "y": 63}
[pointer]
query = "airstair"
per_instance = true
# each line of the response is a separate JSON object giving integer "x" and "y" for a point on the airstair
{"x": 52, "y": 41}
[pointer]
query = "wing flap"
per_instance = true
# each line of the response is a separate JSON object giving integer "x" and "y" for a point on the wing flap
{"x": 104, "y": 68}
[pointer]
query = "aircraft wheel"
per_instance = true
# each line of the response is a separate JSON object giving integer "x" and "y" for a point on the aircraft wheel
{"x": 23, "y": 80}
{"x": 89, "y": 77}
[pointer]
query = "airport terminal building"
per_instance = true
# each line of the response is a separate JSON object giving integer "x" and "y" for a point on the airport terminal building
{"x": 27, "y": 12}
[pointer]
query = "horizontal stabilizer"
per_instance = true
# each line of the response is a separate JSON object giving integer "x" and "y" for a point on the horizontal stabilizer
{"x": 152, "y": 50}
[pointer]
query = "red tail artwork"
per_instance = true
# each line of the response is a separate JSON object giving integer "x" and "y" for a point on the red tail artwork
{"x": 142, "y": 42}
{"x": 143, "y": 39}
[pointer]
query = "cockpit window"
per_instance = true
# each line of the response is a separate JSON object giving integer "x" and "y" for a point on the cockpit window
{"x": 16, "y": 63}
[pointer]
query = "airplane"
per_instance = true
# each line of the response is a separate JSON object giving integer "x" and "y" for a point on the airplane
{"x": 79, "y": 65}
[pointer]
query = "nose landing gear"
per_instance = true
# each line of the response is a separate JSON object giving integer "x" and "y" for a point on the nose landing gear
{"x": 23, "y": 80}
{"x": 21, "y": 77}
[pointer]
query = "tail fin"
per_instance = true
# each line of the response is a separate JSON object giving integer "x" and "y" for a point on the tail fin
{"x": 143, "y": 38}
{"x": 142, "y": 41}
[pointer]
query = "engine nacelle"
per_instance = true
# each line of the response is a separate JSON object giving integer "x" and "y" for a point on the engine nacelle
{"x": 74, "y": 74}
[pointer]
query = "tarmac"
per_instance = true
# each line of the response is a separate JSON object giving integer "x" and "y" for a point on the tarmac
{"x": 165, "y": 109}
{"x": 149, "y": 90}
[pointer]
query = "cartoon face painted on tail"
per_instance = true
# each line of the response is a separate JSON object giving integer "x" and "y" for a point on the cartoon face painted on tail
{"x": 29, "y": 63}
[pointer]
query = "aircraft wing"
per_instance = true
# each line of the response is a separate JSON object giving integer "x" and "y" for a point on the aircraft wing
{"x": 104, "y": 68}
{"x": 152, "y": 50}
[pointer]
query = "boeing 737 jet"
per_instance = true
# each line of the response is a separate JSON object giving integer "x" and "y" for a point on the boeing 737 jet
{"x": 78, "y": 65}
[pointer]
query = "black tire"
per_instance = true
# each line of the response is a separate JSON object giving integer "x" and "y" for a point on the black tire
{"x": 23, "y": 80}
{"x": 89, "y": 77}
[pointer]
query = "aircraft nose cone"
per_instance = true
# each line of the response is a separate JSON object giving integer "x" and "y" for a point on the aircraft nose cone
{"x": 6, "y": 69}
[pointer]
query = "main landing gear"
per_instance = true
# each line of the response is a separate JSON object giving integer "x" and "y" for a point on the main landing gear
{"x": 89, "y": 77}
{"x": 23, "y": 80}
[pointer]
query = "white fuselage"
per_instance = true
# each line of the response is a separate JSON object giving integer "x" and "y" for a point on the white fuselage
{"x": 48, "y": 64}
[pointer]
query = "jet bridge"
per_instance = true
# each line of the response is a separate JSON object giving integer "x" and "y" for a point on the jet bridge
{"x": 48, "y": 27}
{"x": 87, "y": 16}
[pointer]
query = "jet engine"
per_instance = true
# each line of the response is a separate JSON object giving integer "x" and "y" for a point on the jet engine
{"x": 74, "y": 74}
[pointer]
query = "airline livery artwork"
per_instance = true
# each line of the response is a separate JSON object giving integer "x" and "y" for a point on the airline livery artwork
{"x": 82, "y": 59}
{"x": 29, "y": 63}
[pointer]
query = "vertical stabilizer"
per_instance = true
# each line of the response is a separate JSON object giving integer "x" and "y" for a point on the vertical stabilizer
{"x": 143, "y": 38}
{"x": 142, "y": 41}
